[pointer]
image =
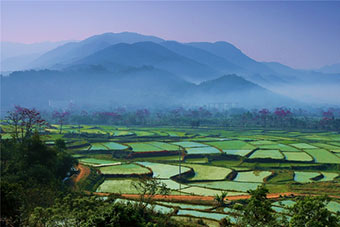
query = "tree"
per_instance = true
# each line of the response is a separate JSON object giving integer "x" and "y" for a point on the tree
{"x": 312, "y": 212}
{"x": 220, "y": 198}
{"x": 148, "y": 187}
{"x": 61, "y": 118}
{"x": 258, "y": 211}
{"x": 24, "y": 120}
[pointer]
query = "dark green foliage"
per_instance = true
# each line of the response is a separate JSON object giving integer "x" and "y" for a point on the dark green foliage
{"x": 80, "y": 210}
{"x": 258, "y": 211}
{"x": 31, "y": 175}
{"x": 312, "y": 212}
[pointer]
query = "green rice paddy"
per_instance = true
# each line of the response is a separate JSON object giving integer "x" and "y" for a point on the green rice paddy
{"x": 252, "y": 176}
{"x": 273, "y": 154}
{"x": 206, "y": 172}
{"x": 297, "y": 156}
{"x": 124, "y": 169}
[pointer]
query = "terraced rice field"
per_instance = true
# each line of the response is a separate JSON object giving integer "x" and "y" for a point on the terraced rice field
{"x": 118, "y": 186}
{"x": 165, "y": 146}
{"x": 237, "y": 152}
{"x": 305, "y": 177}
{"x": 215, "y": 216}
{"x": 201, "y": 191}
{"x": 124, "y": 169}
{"x": 273, "y": 154}
{"x": 190, "y": 144}
{"x": 206, "y": 172}
{"x": 114, "y": 146}
{"x": 228, "y": 185}
{"x": 323, "y": 156}
{"x": 303, "y": 146}
{"x": 202, "y": 150}
{"x": 94, "y": 161}
{"x": 297, "y": 156}
{"x": 252, "y": 176}
{"x": 143, "y": 147}
{"x": 98, "y": 147}
{"x": 329, "y": 176}
{"x": 281, "y": 147}
{"x": 164, "y": 170}
{"x": 232, "y": 145}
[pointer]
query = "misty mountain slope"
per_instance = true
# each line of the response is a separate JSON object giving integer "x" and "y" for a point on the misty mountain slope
{"x": 151, "y": 54}
{"x": 335, "y": 68}
{"x": 144, "y": 86}
{"x": 19, "y": 56}
{"x": 137, "y": 86}
{"x": 76, "y": 50}
{"x": 233, "y": 55}
{"x": 235, "y": 89}
{"x": 202, "y": 56}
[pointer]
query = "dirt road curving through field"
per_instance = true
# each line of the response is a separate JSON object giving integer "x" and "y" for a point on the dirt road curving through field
{"x": 84, "y": 172}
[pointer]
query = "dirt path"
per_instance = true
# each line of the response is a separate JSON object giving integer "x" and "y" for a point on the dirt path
{"x": 84, "y": 172}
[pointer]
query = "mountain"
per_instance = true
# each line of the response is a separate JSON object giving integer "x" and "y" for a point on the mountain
{"x": 74, "y": 51}
{"x": 233, "y": 55}
{"x": 202, "y": 56}
{"x": 136, "y": 87}
{"x": 235, "y": 89}
{"x": 335, "y": 68}
{"x": 151, "y": 54}
{"x": 19, "y": 56}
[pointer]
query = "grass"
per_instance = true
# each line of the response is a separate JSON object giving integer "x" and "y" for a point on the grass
{"x": 125, "y": 169}
{"x": 252, "y": 176}
{"x": 297, "y": 156}
{"x": 323, "y": 156}
{"x": 273, "y": 154}
{"x": 206, "y": 172}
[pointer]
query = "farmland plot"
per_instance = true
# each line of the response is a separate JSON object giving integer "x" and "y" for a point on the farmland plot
{"x": 252, "y": 176}
{"x": 281, "y": 147}
{"x": 114, "y": 146}
{"x": 273, "y": 154}
{"x": 297, "y": 156}
{"x": 143, "y": 147}
{"x": 323, "y": 156}
{"x": 305, "y": 177}
{"x": 232, "y": 145}
{"x": 329, "y": 176}
{"x": 206, "y": 172}
{"x": 203, "y": 150}
{"x": 164, "y": 170}
{"x": 190, "y": 144}
{"x": 237, "y": 152}
{"x": 228, "y": 185}
{"x": 303, "y": 146}
{"x": 124, "y": 169}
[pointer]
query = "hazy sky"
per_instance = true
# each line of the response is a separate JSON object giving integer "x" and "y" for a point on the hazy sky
{"x": 299, "y": 34}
